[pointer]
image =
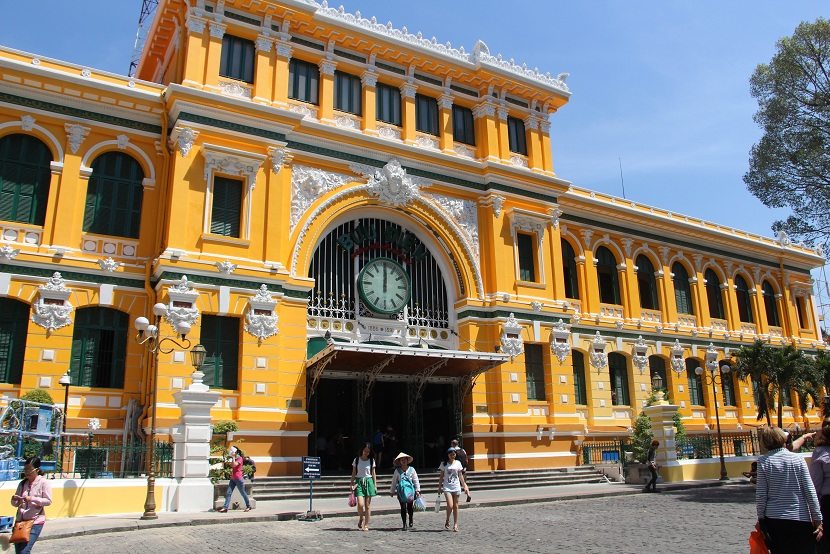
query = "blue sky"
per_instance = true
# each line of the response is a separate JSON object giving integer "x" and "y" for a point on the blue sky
{"x": 661, "y": 85}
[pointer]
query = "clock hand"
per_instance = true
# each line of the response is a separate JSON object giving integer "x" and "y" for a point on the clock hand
{"x": 385, "y": 276}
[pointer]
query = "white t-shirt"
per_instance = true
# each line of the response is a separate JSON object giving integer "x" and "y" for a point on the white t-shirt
{"x": 452, "y": 483}
{"x": 364, "y": 467}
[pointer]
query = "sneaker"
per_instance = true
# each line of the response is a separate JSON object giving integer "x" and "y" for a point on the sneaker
{"x": 403, "y": 527}
{"x": 410, "y": 524}
{"x": 222, "y": 510}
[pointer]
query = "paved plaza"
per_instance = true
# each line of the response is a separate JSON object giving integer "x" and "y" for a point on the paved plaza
{"x": 708, "y": 520}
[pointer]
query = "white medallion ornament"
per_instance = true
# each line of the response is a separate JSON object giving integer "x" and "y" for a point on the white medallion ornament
{"x": 226, "y": 267}
{"x": 261, "y": 321}
{"x": 27, "y": 122}
{"x": 678, "y": 364}
{"x": 108, "y": 264}
{"x": 308, "y": 184}
{"x": 560, "y": 340}
{"x": 598, "y": 357}
{"x": 183, "y": 138}
{"x": 52, "y": 309}
{"x": 639, "y": 354}
{"x": 76, "y": 135}
{"x": 182, "y": 307}
{"x": 390, "y": 184}
{"x": 511, "y": 337}
{"x": 7, "y": 253}
{"x": 279, "y": 157}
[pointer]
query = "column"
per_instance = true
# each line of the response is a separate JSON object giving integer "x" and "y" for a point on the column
{"x": 631, "y": 302}
{"x": 264, "y": 66}
{"x": 278, "y": 205}
{"x": 547, "y": 151}
{"x": 534, "y": 142}
{"x": 760, "y": 313}
{"x": 408, "y": 112}
{"x": 279, "y": 92}
{"x": 369, "y": 100}
{"x": 445, "y": 140}
{"x": 68, "y": 221}
{"x": 556, "y": 256}
{"x": 625, "y": 297}
{"x": 661, "y": 415}
{"x": 504, "y": 140}
{"x": 730, "y": 304}
{"x": 786, "y": 322}
{"x": 194, "y": 69}
{"x": 326, "y": 96}
{"x": 660, "y": 282}
{"x": 487, "y": 137}
{"x": 703, "y": 319}
{"x": 214, "y": 54}
{"x": 191, "y": 448}
{"x": 693, "y": 286}
{"x": 590, "y": 294}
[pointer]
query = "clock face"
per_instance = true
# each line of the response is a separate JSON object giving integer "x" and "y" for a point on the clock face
{"x": 384, "y": 286}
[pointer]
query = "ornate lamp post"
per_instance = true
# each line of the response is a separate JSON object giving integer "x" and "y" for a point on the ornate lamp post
{"x": 148, "y": 336}
{"x": 657, "y": 387}
{"x": 65, "y": 381}
{"x": 714, "y": 374}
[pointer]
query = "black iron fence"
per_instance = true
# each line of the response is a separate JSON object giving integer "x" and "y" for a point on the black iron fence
{"x": 107, "y": 456}
{"x": 607, "y": 451}
{"x": 746, "y": 443}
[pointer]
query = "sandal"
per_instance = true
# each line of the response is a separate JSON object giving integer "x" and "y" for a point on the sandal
{"x": 447, "y": 526}
{"x": 222, "y": 510}
{"x": 455, "y": 528}
{"x": 247, "y": 509}
{"x": 360, "y": 524}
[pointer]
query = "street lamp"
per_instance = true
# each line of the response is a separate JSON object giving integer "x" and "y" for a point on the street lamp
{"x": 657, "y": 387}
{"x": 148, "y": 336}
{"x": 714, "y": 374}
{"x": 65, "y": 381}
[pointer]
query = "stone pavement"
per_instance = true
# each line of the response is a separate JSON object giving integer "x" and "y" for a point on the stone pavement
{"x": 711, "y": 520}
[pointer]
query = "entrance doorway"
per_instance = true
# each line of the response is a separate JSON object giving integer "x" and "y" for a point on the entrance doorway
{"x": 424, "y": 430}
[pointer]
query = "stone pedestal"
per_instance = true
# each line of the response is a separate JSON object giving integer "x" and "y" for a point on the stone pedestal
{"x": 191, "y": 449}
{"x": 661, "y": 415}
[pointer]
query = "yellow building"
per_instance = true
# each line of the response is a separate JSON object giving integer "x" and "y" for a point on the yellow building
{"x": 365, "y": 229}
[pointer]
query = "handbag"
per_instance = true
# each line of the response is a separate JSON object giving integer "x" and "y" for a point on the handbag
{"x": 21, "y": 530}
{"x": 757, "y": 544}
{"x": 352, "y": 500}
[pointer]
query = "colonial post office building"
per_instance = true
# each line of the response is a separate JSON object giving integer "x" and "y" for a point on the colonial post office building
{"x": 365, "y": 229}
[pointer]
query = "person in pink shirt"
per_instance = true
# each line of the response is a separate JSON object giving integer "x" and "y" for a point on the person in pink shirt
{"x": 32, "y": 496}
{"x": 236, "y": 462}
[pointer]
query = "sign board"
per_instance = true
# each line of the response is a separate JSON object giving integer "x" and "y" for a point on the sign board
{"x": 312, "y": 468}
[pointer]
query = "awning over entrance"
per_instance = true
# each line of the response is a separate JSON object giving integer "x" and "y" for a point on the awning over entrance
{"x": 417, "y": 365}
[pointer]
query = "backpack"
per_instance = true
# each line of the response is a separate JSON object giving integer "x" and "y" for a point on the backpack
{"x": 406, "y": 488}
{"x": 461, "y": 455}
{"x": 246, "y": 461}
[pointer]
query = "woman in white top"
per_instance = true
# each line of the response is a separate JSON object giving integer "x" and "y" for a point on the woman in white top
{"x": 363, "y": 484}
{"x": 451, "y": 482}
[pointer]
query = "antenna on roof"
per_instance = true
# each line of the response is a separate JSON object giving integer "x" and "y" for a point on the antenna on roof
{"x": 622, "y": 181}
{"x": 148, "y": 8}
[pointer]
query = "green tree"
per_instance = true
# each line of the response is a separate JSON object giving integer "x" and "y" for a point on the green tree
{"x": 754, "y": 361}
{"x": 642, "y": 437}
{"x": 38, "y": 395}
{"x": 790, "y": 166}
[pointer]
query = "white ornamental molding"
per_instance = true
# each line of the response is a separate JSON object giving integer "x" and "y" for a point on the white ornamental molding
{"x": 52, "y": 309}
{"x": 279, "y": 158}
{"x": 234, "y": 89}
{"x": 494, "y": 200}
{"x": 75, "y": 134}
{"x": 518, "y": 161}
{"x": 678, "y": 363}
{"x": 464, "y": 151}
{"x": 465, "y": 215}
{"x": 264, "y": 43}
{"x": 527, "y": 222}
{"x": 226, "y": 162}
{"x": 261, "y": 321}
{"x": 7, "y": 253}
{"x": 121, "y": 142}
{"x": 485, "y": 109}
{"x": 392, "y": 133}
{"x": 108, "y": 264}
{"x": 346, "y": 122}
{"x": 27, "y": 122}
{"x": 511, "y": 337}
{"x": 303, "y": 110}
{"x": 195, "y": 25}
{"x": 369, "y": 78}
{"x": 555, "y": 214}
{"x": 226, "y": 267}
{"x": 426, "y": 142}
{"x": 639, "y": 354}
{"x": 390, "y": 184}
{"x": 182, "y": 139}
{"x": 560, "y": 340}
{"x": 308, "y": 184}
{"x": 598, "y": 356}
{"x": 217, "y": 30}
{"x": 182, "y": 305}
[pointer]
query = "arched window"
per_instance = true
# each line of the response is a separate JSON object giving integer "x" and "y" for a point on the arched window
{"x": 113, "y": 197}
{"x": 14, "y": 321}
{"x": 580, "y": 390}
{"x": 647, "y": 283}
{"x": 770, "y": 305}
{"x": 657, "y": 366}
{"x": 727, "y": 385}
{"x": 682, "y": 289}
{"x": 24, "y": 179}
{"x": 99, "y": 344}
{"x": 694, "y": 381}
{"x": 713, "y": 295}
{"x": 744, "y": 305}
{"x": 609, "y": 284}
{"x": 618, "y": 370}
{"x": 570, "y": 270}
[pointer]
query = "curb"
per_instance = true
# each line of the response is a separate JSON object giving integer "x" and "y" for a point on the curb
{"x": 291, "y": 516}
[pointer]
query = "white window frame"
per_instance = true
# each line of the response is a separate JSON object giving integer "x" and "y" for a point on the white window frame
{"x": 530, "y": 223}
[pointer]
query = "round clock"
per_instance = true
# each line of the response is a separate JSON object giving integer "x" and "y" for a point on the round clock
{"x": 384, "y": 286}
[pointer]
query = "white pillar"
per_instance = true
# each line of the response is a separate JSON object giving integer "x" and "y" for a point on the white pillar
{"x": 191, "y": 448}
{"x": 661, "y": 415}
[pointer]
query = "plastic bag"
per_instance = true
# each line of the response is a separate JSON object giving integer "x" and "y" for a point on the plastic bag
{"x": 757, "y": 545}
{"x": 420, "y": 505}
{"x": 438, "y": 503}
{"x": 352, "y": 500}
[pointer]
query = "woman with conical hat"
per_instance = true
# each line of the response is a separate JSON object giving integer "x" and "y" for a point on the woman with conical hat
{"x": 405, "y": 486}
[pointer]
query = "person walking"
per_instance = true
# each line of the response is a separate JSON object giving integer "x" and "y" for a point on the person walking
{"x": 236, "y": 460}
{"x": 363, "y": 482}
{"x": 820, "y": 474}
{"x": 651, "y": 462}
{"x": 405, "y": 486}
{"x": 33, "y": 494}
{"x": 378, "y": 445}
{"x": 785, "y": 498}
{"x": 451, "y": 482}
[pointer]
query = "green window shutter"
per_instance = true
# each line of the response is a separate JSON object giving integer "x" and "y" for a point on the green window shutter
{"x": 99, "y": 343}
{"x": 114, "y": 196}
{"x": 237, "y": 59}
{"x": 227, "y": 207}
{"x": 220, "y": 337}
{"x": 24, "y": 179}
{"x": 14, "y": 320}
{"x": 347, "y": 93}
{"x": 516, "y": 135}
{"x": 463, "y": 125}
{"x": 580, "y": 392}
{"x": 527, "y": 262}
{"x": 388, "y": 104}
{"x": 426, "y": 114}
{"x": 618, "y": 371}
{"x": 534, "y": 372}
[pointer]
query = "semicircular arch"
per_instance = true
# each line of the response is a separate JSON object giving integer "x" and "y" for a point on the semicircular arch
{"x": 112, "y": 146}
{"x": 38, "y": 131}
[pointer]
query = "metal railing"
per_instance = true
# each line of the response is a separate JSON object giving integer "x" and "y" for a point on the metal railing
{"x": 606, "y": 452}
{"x": 106, "y": 456}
